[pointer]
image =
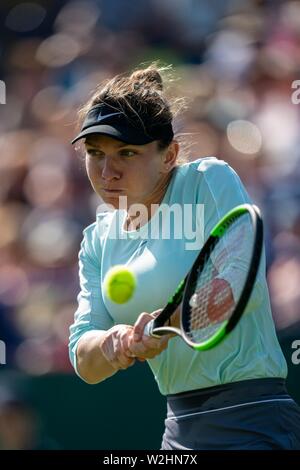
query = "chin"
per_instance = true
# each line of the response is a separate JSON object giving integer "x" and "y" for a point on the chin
{"x": 111, "y": 200}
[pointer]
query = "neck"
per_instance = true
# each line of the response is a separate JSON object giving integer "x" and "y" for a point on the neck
{"x": 152, "y": 199}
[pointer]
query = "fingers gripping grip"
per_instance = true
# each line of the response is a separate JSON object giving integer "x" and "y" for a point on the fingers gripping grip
{"x": 149, "y": 328}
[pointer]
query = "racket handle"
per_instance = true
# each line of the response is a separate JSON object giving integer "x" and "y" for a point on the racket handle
{"x": 149, "y": 328}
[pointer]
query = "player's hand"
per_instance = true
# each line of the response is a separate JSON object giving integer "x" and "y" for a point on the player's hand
{"x": 115, "y": 346}
{"x": 143, "y": 346}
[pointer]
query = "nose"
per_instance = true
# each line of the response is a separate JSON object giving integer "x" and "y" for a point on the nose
{"x": 109, "y": 169}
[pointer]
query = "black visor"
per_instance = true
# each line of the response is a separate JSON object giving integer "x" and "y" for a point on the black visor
{"x": 103, "y": 119}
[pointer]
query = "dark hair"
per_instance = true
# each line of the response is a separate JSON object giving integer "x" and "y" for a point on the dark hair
{"x": 141, "y": 97}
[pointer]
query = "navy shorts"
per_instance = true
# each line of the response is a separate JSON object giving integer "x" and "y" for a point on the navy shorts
{"x": 250, "y": 414}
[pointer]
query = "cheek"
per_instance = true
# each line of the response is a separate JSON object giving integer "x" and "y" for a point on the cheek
{"x": 90, "y": 169}
{"x": 150, "y": 175}
{"x": 142, "y": 179}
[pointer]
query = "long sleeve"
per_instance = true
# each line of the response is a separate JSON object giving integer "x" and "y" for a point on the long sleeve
{"x": 91, "y": 313}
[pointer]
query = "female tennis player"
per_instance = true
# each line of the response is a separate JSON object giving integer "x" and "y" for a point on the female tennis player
{"x": 230, "y": 397}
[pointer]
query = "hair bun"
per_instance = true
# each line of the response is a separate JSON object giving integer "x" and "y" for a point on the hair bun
{"x": 149, "y": 78}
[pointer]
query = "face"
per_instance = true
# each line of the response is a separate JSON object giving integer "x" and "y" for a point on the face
{"x": 116, "y": 169}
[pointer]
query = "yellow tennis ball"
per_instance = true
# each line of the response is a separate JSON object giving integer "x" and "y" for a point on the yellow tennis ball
{"x": 119, "y": 284}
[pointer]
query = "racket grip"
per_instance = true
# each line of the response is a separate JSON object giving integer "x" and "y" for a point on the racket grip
{"x": 149, "y": 328}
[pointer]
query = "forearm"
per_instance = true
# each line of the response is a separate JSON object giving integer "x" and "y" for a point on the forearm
{"x": 92, "y": 366}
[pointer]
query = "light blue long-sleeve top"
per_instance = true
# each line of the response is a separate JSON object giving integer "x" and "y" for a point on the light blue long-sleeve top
{"x": 160, "y": 254}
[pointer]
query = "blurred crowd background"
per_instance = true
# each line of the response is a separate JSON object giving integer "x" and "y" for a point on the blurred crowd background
{"x": 234, "y": 60}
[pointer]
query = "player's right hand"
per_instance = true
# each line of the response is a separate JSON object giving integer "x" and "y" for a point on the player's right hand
{"x": 114, "y": 346}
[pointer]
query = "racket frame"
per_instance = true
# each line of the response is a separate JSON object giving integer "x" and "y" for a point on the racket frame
{"x": 182, "y": 292}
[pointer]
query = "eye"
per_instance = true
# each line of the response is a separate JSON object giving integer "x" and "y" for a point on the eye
{"x": 128, "y": 152}
{"x": 94, "y": 152}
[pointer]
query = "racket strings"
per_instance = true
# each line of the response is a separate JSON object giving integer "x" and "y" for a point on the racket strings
{"x": 218, "y": 286}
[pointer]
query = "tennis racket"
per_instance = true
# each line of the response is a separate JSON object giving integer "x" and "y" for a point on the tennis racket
{"x": 216, "y": 291}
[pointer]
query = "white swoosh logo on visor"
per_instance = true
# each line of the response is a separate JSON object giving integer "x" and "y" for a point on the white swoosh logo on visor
{"x": 107, "y": 115}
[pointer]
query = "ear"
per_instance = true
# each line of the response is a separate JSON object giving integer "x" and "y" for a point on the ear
{"x": 170, "y": 156}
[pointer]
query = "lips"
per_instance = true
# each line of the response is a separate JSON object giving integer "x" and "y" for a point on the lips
{"x": 113, "y": 190}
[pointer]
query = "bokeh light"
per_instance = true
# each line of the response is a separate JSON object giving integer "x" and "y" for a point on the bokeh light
{"x": 25, "y": 17}
{"x": 58, "y": 50}
{"x": 244, "y": 136}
